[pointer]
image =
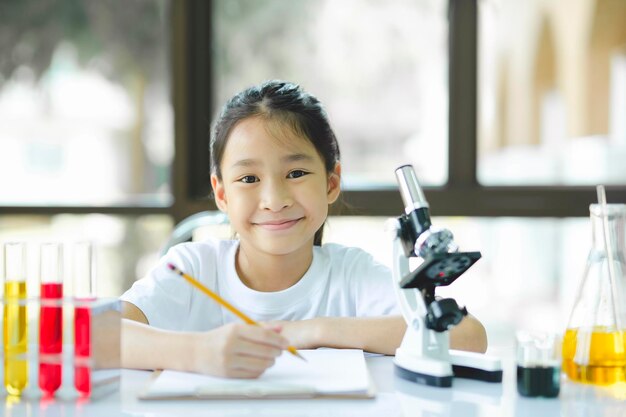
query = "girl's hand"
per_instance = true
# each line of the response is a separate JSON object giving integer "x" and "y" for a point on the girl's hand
{"x": 302, "y": 334}
{"x": 236, "y": 350}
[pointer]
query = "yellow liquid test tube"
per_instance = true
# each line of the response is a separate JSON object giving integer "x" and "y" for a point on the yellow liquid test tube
{"x": 15, "y": 329}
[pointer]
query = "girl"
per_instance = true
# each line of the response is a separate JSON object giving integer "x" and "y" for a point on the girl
{"x": 275, "y": 170}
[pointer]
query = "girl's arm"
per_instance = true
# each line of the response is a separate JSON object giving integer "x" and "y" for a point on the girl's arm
{"x": 374, "y": 334}
{"x": 469, "y": 335}
{"x": 235, "y": 350}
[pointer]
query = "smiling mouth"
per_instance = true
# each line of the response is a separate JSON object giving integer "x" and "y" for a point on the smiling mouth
{"x": 279, "y": 225}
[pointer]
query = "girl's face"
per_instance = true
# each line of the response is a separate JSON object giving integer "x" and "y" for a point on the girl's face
{"x": 274, "y": 187}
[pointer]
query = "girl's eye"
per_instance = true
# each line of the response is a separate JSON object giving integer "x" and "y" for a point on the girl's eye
{"x": 248, "y": 179}
{"x": 297, "y": 173}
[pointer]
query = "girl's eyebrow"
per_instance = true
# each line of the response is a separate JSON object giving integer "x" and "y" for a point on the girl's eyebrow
{"x": 245, "y": 163}
{"x": 296, "y": 157}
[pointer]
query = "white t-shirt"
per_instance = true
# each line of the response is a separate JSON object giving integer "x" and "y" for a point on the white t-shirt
{"x": 341, "y": 282}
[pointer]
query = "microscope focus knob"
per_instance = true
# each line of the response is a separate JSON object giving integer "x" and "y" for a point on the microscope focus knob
{"x": 444, "y": 314}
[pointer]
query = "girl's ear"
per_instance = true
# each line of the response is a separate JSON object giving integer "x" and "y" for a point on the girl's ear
{"x": 219, "y": 193}
{"x": 334, "y": 183}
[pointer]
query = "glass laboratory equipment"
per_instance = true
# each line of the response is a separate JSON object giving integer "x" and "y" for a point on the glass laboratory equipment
{"x": 84, "y": 293}
{"x": 15, "y": 328}
{"x": 594, "y": 345}
{"x": 51, "y": 317}
{"x": 538, "y": 364}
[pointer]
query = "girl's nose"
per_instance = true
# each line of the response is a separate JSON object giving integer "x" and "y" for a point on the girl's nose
{"x": 275, "y": 196}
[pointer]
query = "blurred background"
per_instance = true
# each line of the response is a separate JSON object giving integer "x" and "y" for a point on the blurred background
{"x": 510, "y": 111}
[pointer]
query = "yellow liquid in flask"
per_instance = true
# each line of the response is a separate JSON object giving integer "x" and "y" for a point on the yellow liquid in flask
{"x": 605, "y": 362}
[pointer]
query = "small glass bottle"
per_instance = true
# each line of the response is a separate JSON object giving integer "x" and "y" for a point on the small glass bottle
{"x": 594, "y": 345}
{"x": 538, "y": 365}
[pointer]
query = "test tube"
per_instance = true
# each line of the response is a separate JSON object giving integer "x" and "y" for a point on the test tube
{"x": 15, "y": 326}
{"x": 84, "y": 294}
{"x": 51, "y": 317}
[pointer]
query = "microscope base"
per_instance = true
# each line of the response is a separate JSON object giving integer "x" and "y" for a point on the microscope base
{"x": 424, "y": 379}
{"x": 438, "y": 372}
{"x": 476, "y": 366}
{"x": 422, "y": 369}
{"x": 477, "y": 374}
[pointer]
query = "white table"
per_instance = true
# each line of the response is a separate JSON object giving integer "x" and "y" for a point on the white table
{"x": 395, "y": 397}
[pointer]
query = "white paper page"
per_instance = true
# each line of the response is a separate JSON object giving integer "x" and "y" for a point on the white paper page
{"x": 327, "y": 371}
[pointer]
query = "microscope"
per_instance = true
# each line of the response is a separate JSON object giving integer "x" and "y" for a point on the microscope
{"x": 424, "y": 355}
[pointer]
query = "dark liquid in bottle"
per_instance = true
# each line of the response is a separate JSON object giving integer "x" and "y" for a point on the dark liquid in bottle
{"x": 538, "y": 381}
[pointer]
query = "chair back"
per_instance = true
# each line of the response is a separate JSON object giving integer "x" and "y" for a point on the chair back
{"x": 209, "y": 222}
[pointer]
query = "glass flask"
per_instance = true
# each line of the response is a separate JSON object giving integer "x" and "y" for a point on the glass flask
{"x": 594, "y": 345}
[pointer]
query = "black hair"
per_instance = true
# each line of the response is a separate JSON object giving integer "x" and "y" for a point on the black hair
{"x": 284, "y": 102}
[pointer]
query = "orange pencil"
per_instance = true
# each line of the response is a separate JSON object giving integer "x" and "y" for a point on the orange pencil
{"x": 224, "y": 303}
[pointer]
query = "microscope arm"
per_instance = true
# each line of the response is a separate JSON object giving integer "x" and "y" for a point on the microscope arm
{"x": 410, "y": 300}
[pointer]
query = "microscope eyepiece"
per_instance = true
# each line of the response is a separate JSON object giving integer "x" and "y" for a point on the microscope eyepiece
{"x": 410, "y": 190}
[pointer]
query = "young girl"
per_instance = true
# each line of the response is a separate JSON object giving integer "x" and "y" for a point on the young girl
{"x": 275, "y": 170}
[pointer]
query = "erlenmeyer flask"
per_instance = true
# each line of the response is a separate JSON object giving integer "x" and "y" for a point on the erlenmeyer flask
{"x": 594, "y": 345}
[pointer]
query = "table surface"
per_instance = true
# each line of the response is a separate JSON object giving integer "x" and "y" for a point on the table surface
{"x": 395, "y": 397}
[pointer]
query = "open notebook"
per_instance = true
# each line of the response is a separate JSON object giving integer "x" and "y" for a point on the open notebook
{"x": 327, "y": 373}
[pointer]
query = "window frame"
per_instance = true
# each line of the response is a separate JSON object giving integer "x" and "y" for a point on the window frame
{"x": 462, "y": 195}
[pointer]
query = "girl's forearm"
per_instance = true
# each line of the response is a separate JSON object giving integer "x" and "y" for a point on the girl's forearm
{"x": 372, "y": 334}
{"x": 147, "y": 347}
{"x": 384, "y": 334}
{"x": 469, "y": 335}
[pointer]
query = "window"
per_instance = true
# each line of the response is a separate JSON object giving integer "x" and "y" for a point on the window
{"x": 552, "y": 93}
{"x": 378, "y": 67}
{"x": 85, "y": 103}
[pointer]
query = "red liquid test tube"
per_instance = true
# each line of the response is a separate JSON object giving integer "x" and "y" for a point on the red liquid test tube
{"x": 84, "y": 293}
{"x": 51, "y": 318}
{"x": 82, "y": 349}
